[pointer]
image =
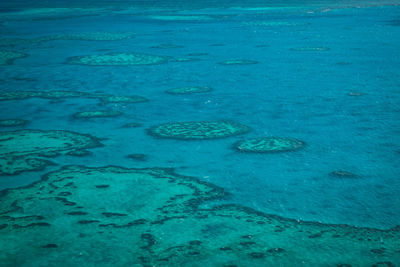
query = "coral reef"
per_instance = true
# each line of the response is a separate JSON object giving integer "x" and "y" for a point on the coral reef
{"x": 189, "y": 90}
{"x": 167, "y": 46}
{"x": 104, "y": 98}
{"x": 118, "y": 59}
{"x": 154, "y": 217}
{"x": 198, "y": 129}
{"x": 87, "y": 36}
{"x": 12, "y": 122}
{"x": 138, "y": 157}
{"x": 94, "y": 36}
{"x": 122, "y": 99}
{"x": 97, "y": 114}
{"x": 269, "y": 23}
{"x": 132, "y": 125}
{"x": 356, "y": 94}
{"x": 22, "y": 150}
{"x": 8, "y": 57}
{"x": 269, "y": 144}
{"x": 343, "y": 174}
{"x": 18, "y": 95}
{"x": 180, "y": 17}
{"x": 310, "y": 49}
{"x": 238, "y": 62}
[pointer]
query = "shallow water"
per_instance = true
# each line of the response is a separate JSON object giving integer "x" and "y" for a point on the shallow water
{"x": 325, "y": 74}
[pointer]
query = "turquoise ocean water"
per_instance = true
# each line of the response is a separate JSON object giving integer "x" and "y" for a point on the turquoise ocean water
{"x": 325, "y": 73}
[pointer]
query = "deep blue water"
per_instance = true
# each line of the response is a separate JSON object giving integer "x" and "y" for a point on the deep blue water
{"x": 298, "y": 94}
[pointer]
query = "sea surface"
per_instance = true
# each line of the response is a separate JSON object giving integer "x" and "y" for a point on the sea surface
{"x": 325, "y": 73}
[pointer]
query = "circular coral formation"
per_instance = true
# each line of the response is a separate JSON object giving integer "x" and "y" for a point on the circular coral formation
{"x": 21, "y": 150}
{"x": 97, "y": 114}
{"x": 238, "y": 62}
{"x": 189, "y": 90}
{"x": 167, "y": 220}
{"x": 8, "y": 57}
{"x": 269, "y": 144}
{"x": 198, "y": 130}
{"x": 13, "y": 122}
{"x": 118, "y": 59}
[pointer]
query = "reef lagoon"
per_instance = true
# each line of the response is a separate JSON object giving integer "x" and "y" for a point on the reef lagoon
{"x": 202, "y": 133}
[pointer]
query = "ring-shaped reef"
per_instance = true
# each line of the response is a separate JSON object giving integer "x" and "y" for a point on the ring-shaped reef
{"x": 238, "y": 62}
{"x": 24, "y": 150}
{"x": 269, "y": 144}
{"x": 8, "y": 57}
{"x": 118, "y": 59}
{"x": 97, "y": 114}
{"x": 13, "y": 122}
{"x": 154, "y": 217}
{"x": 198, "y": 129}
{"x": 189, "y": 90}
{"x": 104, "y": 98}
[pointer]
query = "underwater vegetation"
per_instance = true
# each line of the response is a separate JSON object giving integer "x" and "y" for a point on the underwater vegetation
{"x": 13, "y": 122}
{"x": 198, "y": 129}
{"x": 24, "y": 150}
{"x": 58, "y": 219}
{"x": 8, "y": 57}
{"x": 189, "y": 90}
{"x": 118, "y": 59}
{"x": 269, "y": 144}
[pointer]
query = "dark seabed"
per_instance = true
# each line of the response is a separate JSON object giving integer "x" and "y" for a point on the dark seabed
{"x": 213, "y": 133}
